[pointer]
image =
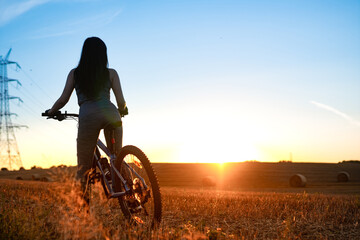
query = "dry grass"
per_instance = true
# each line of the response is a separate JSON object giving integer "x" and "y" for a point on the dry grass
{"x": 265, "y": 215}
{"x": 35, "y": 210}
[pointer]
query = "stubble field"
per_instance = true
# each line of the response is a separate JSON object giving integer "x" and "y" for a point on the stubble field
{"x": 41, "y": 210}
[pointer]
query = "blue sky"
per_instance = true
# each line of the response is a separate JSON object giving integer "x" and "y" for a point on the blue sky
{"x": 205, "y": 81}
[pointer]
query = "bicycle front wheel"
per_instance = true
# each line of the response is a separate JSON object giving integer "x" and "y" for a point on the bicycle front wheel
{"x": 143, "y": 205}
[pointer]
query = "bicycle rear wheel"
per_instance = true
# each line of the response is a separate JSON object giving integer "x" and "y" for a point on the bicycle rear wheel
{"x": 143, "y": 205}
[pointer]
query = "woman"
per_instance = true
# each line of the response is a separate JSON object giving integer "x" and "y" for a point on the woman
{"x": 92, "y": 80}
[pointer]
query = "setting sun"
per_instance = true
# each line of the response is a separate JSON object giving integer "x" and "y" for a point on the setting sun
{"x": 207, "y": 151}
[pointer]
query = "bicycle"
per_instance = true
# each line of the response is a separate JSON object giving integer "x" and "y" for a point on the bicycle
{"x": 127, "y": 176}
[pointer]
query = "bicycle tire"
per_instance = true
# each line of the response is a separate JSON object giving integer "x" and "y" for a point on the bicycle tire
{"x": 146, "y": 171}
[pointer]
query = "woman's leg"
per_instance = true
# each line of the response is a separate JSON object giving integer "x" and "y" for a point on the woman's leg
{"x": 90, "y": 124}
{"x": 88, "y": 134}
{"x": 86, "y": 141}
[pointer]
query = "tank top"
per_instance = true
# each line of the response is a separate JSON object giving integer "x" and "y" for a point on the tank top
{"x": 104, "y": 94}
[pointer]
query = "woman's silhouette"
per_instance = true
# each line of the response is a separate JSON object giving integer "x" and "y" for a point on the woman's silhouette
{"x": 92, "y": 80}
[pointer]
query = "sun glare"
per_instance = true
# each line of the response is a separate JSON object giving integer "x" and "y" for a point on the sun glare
{"x": 223, "y": 152}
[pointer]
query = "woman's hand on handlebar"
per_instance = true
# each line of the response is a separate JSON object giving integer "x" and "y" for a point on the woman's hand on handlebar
{"x": 124, "y": 111}
{"x": 49, "y": 113}
{"x": 57, "y": 115}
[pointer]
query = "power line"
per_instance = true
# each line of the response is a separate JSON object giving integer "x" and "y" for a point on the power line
{"x": 31, "y": 97}
{"x": 32, "y": 80}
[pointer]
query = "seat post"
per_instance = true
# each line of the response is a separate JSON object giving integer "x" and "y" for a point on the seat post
{"x": 113, "y": 145}
{"x": 110, "y": 132}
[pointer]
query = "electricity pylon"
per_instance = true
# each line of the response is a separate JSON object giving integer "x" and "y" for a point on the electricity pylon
{"x": 9, "y": 151}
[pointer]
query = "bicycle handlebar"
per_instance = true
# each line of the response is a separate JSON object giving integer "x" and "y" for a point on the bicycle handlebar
{"x": 62, "y": 116}
{"x": 59, "y": 115}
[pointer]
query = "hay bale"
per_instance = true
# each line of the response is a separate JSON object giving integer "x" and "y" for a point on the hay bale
{"x": 343, "y": 176}
{"x": 19, "y": 178}
{"x": 46, "y": 179}
{"x": 35, "y": 177}
{"x": 298, "y": 180}
{"x": 209, "y": 181}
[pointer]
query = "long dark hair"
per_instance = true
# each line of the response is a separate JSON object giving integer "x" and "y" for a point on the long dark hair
{"x": 92, "y": 72}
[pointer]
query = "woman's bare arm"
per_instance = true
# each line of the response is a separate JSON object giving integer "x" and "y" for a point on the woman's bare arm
{"x": 65, "y": 96}
{"x": 116, "y": 87}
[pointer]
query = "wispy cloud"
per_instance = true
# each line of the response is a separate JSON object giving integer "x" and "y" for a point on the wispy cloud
{"x": 12, "y": 9}
{"x": 79, "y": 25}
{"x": 97, "y": 20}
{"x": 49, "y": 35}
{"x": 337, "y": 112}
